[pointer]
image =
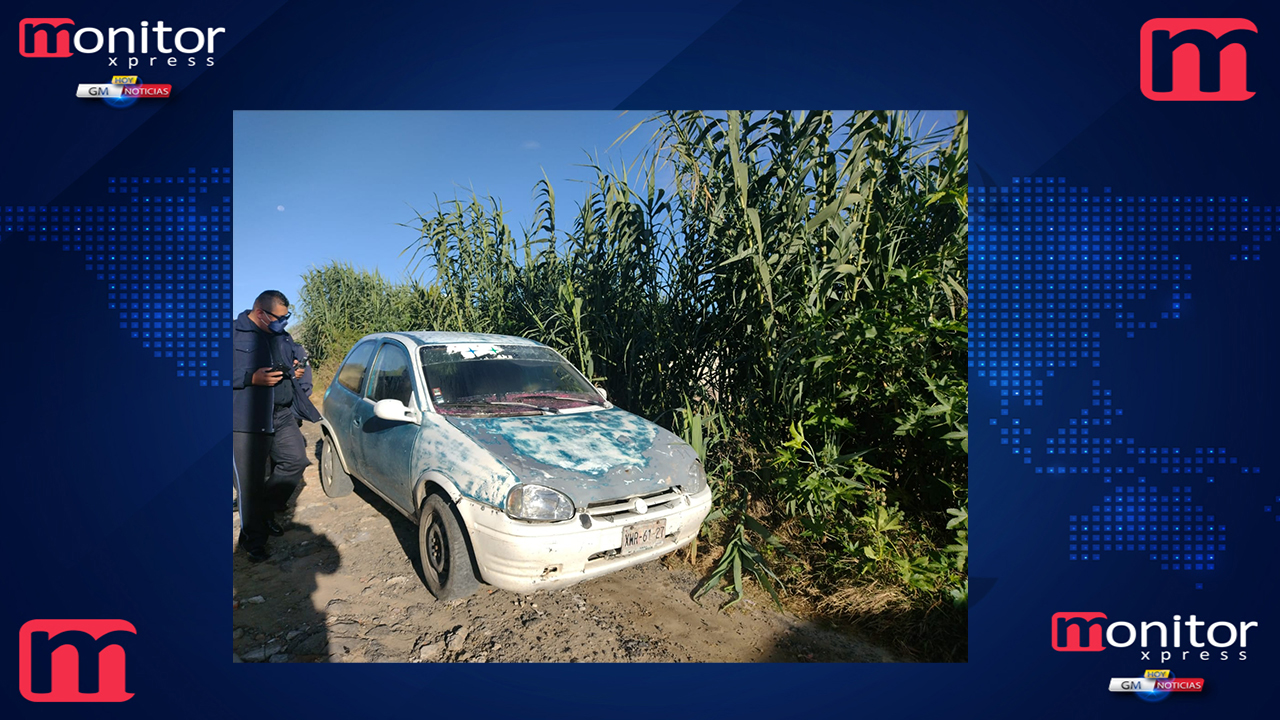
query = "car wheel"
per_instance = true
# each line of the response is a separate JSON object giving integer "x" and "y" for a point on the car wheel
{"x": 442, "y": 545}
{"x": 333, "y": 479}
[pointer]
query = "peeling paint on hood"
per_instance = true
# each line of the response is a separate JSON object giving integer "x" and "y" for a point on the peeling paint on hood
{"x": 591, "y": 456}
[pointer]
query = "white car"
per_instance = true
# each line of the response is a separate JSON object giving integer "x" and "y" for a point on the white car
{"x": 517, "y": 470}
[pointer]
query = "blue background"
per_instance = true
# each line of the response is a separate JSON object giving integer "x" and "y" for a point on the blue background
{"x": 115, "y": 459}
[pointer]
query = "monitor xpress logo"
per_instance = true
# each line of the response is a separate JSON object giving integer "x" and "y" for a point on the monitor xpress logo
{"x": 127, "y": 47}
{"x": 1084, "y": 632}
{"x": 1196, "y": 59}
{"x": 74, "y": 660}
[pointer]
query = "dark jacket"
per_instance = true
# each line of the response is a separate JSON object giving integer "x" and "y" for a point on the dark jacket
{"x": 302, "y": 405}
{"x": 253, "y": 406}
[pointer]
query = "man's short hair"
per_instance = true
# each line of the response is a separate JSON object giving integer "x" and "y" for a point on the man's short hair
{"x": 269, "y": 298}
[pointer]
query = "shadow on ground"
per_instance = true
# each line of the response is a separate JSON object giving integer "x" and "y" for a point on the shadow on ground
{"x": 277, "y": 594}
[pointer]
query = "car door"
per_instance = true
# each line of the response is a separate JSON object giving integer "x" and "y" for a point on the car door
{"x": 387, "y": 446}
{"x": 340, "y": 400}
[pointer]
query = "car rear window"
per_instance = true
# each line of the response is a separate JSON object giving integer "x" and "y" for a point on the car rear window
{"x": 354, "y": 370}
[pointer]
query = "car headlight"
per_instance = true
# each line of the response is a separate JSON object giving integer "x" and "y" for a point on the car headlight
{"x": 694, "y": 479}
{"x": 697, "y": 477}
{"x": 538, "y": 502}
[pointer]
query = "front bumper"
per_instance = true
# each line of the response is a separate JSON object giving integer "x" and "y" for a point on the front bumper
{"x": 524, "y": 557}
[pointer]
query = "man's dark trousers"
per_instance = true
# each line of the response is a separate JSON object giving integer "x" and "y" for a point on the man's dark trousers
{"x": 252, "y": 453}
{"x": 288, "y": 459}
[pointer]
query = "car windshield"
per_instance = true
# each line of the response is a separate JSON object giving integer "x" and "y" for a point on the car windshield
{"x": 480, "y": 378}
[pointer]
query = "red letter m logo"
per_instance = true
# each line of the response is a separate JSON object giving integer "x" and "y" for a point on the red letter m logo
{"x": 40, "y": 37}
{"x": 74, "y": 660}
{"x": 1076, "y": 632}
{"x": 1196, "y": 58}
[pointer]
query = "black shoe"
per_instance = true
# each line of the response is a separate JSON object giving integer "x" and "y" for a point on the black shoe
{"x": 275, "y": 528}
{"x": 255, "y": 556}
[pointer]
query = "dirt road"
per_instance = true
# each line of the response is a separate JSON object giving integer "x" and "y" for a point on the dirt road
{"x": 342, "y": 586}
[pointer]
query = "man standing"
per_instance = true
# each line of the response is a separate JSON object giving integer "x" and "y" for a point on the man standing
{"x": 263, "y": 396}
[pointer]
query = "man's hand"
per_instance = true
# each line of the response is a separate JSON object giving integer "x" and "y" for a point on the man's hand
{"x": 298, "y": 369}
{"x": 267, "y": 377}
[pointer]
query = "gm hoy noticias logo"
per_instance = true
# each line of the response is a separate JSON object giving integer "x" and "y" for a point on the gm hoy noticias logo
{"x": 123, "y": 91}
{"x": 1197, "y": 59}
{"x": 143, "y": 45}
{"x": 1179, "y": 639}
{"x": 75, "y": 660}
{"x": 1155, "y": 685}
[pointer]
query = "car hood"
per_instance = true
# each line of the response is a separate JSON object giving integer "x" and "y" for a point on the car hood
{"x": 593, "y": 456}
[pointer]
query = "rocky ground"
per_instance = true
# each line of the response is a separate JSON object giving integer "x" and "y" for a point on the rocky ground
{"x": 342, "y": 586}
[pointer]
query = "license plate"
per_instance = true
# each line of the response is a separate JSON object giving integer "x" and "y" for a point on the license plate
{"x": 642, "y": 536}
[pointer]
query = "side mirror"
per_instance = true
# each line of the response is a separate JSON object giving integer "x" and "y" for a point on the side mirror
{"x": 395, "y": 411}
{"x": 603, "y": 393}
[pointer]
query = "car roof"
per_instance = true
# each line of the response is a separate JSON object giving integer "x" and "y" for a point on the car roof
{"x": 423, "y": 337}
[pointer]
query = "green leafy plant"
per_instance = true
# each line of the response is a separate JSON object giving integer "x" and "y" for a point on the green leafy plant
{"x": 741, "y": 556}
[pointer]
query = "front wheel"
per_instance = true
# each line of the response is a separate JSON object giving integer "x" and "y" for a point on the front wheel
{"x": 442, "y": 545}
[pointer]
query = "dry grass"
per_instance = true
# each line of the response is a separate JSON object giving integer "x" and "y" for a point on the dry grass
{"x": 860, "y": 601}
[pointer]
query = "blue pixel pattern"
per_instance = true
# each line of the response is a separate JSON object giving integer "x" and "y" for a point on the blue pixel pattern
{"x": 1058, "y": 271}
{"x": 161, "y": 247}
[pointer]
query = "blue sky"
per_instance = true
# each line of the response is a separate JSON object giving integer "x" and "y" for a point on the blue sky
{"x": 314, "y": 187}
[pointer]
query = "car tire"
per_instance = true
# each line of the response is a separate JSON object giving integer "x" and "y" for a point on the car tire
{"x": 444, "y": 550}
{"x": 333, "y": 479}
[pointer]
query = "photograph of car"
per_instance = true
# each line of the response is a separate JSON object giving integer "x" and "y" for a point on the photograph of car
{"x": 518, "y": 472}
{"x": 597, "y": 386}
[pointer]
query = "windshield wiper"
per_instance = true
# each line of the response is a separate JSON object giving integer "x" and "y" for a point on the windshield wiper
{"x": 543, "y": 408}
{"x": 482, "y": 403}
{"x": 589, "y": 401}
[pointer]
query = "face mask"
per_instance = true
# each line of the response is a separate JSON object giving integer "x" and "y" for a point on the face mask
{"x": 275, "y": 324}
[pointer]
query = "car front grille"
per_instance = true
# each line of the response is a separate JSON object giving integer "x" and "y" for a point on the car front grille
{"x": 625, "y": 508}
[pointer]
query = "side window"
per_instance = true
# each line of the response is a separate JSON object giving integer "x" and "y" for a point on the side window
{"x": 352, "y": 374}
{"x": 392, "y": 379}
